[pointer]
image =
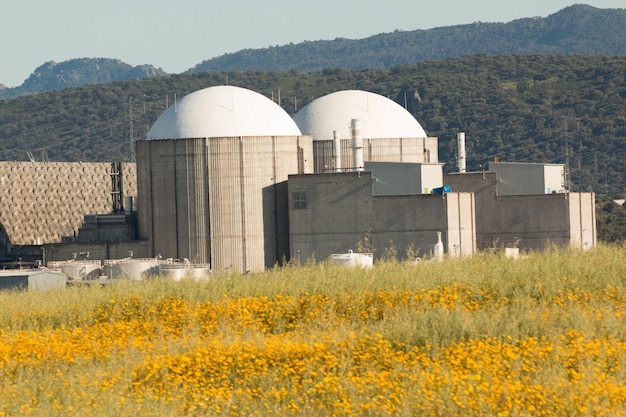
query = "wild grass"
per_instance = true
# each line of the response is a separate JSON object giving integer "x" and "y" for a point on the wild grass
{"x": 544, "y": 334}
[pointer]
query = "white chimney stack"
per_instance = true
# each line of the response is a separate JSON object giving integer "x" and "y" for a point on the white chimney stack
{"x": 461, "y": 158}
{"x": 357, "y": 145}
{"x": 337, "y": 150}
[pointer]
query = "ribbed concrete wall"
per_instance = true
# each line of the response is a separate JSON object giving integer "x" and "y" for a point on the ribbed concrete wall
{"x": 582, "y": 220}
{"x": 219, "y": 200}
{"x": 42, "y": 201}
{"x": 420, "y": 150}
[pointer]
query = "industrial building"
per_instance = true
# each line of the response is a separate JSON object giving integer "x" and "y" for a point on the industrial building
{"x": 211, "y": 179}
{"x": 43, "y": 204}
{"x": 339, "y": 212}
{"x": 529, "y": 221}
{"x": 226, "y": 178}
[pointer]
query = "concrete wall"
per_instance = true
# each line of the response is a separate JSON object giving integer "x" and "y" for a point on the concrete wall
{"x": 421, "y": 150}
{"x": 404, "y": 178}
{"x": 341, "y": 214}
{"x": 42, "y": 201}
{"x": 516, "y": 178}
{"x": 483, "y": 185}
{"x": 582, "y": 218}
{"x": 527, "y": 221}
{"x": 219, "y": 200}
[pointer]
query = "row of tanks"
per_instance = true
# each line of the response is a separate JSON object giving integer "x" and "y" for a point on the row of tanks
{"x": 133, "y": 269}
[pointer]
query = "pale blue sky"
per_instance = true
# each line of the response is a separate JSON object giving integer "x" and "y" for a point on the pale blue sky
{"x": 177, "y": 35}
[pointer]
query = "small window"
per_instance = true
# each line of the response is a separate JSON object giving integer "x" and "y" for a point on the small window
{"x": 299, "y": 200}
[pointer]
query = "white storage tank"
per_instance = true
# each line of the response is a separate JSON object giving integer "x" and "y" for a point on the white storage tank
{"x": 177, "y": 271}
{"x": 363, "y": 260}
{"x": 134, "y": 269}
{"x": 78, "y": 270}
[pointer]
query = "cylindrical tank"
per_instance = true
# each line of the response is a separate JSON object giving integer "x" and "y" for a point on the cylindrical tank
{"x": 130, "y": 268}
{"x": 177, "y": 271}
{"x": 82, "y": 270}
{"x": 364, "y": 260}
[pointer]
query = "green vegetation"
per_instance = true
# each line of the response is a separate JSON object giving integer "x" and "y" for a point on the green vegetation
{"x": 514, "y": 107}
{"x": 578, "y": 29}
{"x": 487, "y": 335}
{"x": 517, "y": 108}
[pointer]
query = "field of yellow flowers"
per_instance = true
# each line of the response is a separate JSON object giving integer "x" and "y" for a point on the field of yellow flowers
{"x": 484, "y": 336}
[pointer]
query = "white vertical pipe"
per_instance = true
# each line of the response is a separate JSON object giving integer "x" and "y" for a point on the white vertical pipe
{"x": 438, "y": 249}
{"x": 337, "y": 150}
{"x": 461, "y": 158}
{"x": 357, "y": 145}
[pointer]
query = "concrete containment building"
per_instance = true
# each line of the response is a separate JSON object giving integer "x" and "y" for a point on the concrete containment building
{"x": 212, "y": 179}
{"x": 388, "y": 132}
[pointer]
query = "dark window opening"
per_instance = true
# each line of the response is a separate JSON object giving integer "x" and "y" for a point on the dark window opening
{"x": 299, "y": 200}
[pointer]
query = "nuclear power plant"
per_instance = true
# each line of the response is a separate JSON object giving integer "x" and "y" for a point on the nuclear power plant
{"x": 226, "y": 179}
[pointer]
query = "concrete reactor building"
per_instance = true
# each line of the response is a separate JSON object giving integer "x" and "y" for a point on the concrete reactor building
{"x": 212, "y": 179}
{"x": 375, "y": 171}
{"x": 385, "y": 132}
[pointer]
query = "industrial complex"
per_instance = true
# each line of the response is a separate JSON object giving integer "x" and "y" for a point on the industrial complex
{"x": 227, "y": 180}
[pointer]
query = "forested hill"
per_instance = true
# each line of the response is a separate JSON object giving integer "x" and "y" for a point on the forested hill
{"x": 577, "y": 29}
{"x": 515, "y": 107}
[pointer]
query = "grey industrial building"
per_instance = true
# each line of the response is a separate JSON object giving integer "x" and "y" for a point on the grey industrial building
{"x": 336, "y": 213}
{"x": 226, "y": 177}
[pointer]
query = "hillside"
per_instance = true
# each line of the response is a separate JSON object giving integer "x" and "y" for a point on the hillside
{"x": 517, "y": 108}
{"x": 578, "y": 29}
{"x": 73, "y": 73}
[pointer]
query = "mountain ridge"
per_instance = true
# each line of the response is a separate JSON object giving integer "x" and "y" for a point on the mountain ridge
{"x": 577, "y": 29}
{"x": 75, "y": 72}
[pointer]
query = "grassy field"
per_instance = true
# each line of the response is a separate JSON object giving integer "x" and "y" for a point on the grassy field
{"x": 542, "y": 335}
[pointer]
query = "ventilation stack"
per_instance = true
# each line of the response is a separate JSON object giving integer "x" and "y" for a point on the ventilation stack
{"x": 336, "y": 151}
{"x": 357, "y": 145}
{"x": 461, "y": 152}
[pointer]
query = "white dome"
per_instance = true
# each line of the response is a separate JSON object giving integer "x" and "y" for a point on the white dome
{"x": 380, "y": 117}
{"x": 223, "y": 111}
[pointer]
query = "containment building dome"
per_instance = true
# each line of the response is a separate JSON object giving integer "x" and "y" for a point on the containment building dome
{"x": 223, "y": 111}
{"x": 380, "y": 117}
